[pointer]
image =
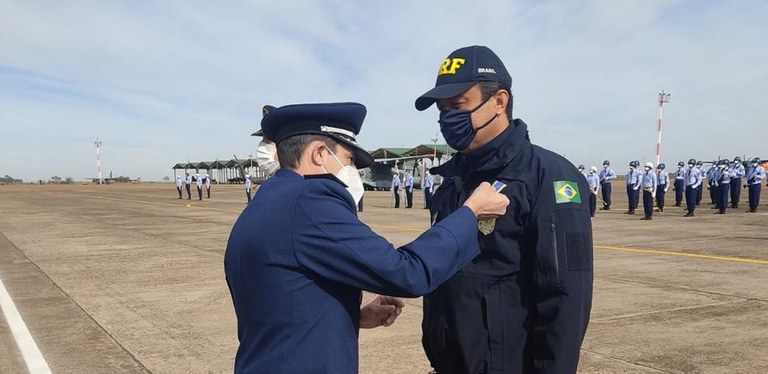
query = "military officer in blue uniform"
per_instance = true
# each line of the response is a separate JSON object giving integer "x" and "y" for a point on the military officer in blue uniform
{"x": 396, "y": 188}
{"x": 736, "y": 172}
{"x": 679, "y": 183}
{"x": 248, "y": 185}
{"x": 649, "y": 185}
{"x": 188, "y": 183}
{"x": 429, "y": 182}
{"x": 408, "y": 190}
{"x": 663, "y": 185}
{"x": 711, "y": 176}
{"x": 178, "y": 184}
{"x": 700, "y": 189}
{"x": 692, "y": 183}
{"x": 606, "y": 176}
{"x": 634, "y": 181}
{"x": 523, "y": 305}
{"x": 723, "y": 186}
{"x": 298, "y": 257}
{"x": 594, "y": 187}
{"x": 755, "y": 179}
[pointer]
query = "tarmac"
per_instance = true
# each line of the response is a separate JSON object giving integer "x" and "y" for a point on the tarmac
{"x": 129, "y": 279}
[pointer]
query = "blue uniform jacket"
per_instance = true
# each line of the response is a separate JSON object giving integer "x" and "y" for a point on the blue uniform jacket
{"x": 523, "y": 305}
{"x": 297, "y": 260}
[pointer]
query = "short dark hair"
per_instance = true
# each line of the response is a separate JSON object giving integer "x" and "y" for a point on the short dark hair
{"x": 488, "y": 89}
{"x": 290, "y": 149}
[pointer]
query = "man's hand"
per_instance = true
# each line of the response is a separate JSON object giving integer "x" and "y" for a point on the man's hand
{"x": 486, "y": 203}
{"x": 381, "y": 311}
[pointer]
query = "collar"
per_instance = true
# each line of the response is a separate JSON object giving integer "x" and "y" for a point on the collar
{"x": 498, "y": 153}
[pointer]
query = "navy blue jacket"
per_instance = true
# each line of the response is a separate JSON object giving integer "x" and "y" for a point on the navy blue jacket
{"x": 297, "y": 260}
{"x": 523, "y": 305}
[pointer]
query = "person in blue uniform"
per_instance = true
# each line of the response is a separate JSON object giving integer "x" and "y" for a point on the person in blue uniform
{"x": 429, "y": 182}
{"x": 663, "y": 184}
{"x": 700, "y": 189}
{"x": 298, "y": 258}
{"x": 723, "y": 186}
{"x": 594, "y": 187}
{"x": 248, "y": 185}
{"x": 188, "y": 184}
{"x": 736, "y": 172}
{"x": 207, "y": 181}
{"x": 178, "y": 184}
{"x": 649, "y": 185}
{"x": 523, "y": 305}
{"x": 634, "y": 181}
{"x": 755, "y": 179}
{"x": 711, "y": 176}
{"x": 408, "y": 190}
{"x": 679, "y": 183}
{"x": 396, "y": 188}
{"x": 692, "y": 183}
{"x": 199, "y": 183}
{"x": 582, "y": 169}
{"x": 606, "y": 176}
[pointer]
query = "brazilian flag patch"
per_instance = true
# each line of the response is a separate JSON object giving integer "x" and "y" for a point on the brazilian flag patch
{"x": 567, "y": 192}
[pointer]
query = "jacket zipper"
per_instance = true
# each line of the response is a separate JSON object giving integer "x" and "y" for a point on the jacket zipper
{"x": 554, "y": 250}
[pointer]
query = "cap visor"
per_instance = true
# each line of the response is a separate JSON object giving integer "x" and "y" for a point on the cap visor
{"x": 363, "y": 159}
{"x": 440, "y": 92}
{"x": 258, "y": 133}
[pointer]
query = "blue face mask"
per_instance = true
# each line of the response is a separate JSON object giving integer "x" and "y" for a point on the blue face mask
{"x": 456, "y": 126}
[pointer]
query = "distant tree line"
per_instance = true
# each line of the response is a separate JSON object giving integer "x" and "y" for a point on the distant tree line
{"x": 7, "y": 179}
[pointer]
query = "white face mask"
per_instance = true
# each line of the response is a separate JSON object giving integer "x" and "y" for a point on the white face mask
{"x": 350, "y": 177}
{"x": 265, "y": 157}
{"x": 754, "y": 164}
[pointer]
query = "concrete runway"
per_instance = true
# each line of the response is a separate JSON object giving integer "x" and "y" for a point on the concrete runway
{"x": 129, "y": 279}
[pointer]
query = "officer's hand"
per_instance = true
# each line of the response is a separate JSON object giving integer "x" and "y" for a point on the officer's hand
{"x": 381, "y": 311}
{"x": 486, "y": 203}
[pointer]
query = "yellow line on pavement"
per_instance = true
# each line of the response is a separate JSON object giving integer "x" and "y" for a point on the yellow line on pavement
{"x": 682, "y": 254}
{"x": 416, "y": 229}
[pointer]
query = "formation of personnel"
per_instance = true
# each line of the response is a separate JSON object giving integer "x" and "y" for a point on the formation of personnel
{"x": 724, "y": 180}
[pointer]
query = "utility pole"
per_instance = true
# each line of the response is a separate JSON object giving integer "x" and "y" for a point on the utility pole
{"x": 663, "y": 98}
{"x": 98, "y": 159}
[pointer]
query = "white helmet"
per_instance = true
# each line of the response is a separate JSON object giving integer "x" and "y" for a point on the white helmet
{"x": 649, "y": 165}
{"x": 593, "y": 169}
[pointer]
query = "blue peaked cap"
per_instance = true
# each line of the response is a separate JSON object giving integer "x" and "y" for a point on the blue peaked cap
{"x": 339, "y": 121}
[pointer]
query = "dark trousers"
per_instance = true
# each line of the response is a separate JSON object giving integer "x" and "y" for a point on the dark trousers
{"x": 408, "y": 198}
{"x": 754, "y": 195}
{"x": 179, "y": 189}
{"x": 647, "y": 204}
{"x": 199, "y": 193}
{"x": 606, "y": 186}
{"x": 592, "y": 204}
{"x": 722, "y": 198}
{"x": 713, "y": 194}
{"x": 634, "y": 198}
{"x": 248, "y": 194}
{"x": 189, "y": 193}
{"x": 690, "y": 198}
{"x": 679, "y": 191}
{"x": 208, "y": 189}
{"x": 360, "y": 205}
{"x": 427, "y": 197}
{"x": 699, "y": 193}
{"x": 735, "y": 191}
{"x": 396, "y": 192}
{"x": 660, "y": 195}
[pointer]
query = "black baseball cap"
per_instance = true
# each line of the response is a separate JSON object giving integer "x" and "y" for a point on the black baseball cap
{"x": 339, "y": 121}
{"x": 461, "y": 70}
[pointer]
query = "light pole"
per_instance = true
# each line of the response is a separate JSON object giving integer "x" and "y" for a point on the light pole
{"x": 98, "y": 158}
{"x": 663, "y": 98}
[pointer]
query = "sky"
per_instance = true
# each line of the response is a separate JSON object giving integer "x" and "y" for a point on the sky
{"x": 183, "y": 80}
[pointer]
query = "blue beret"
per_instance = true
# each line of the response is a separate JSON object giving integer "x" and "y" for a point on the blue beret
{"x": 340, "y": 121}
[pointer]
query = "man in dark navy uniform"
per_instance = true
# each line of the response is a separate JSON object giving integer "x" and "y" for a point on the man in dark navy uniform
{"x": 522, "y": 305}
{"x": 298, "y": 257}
